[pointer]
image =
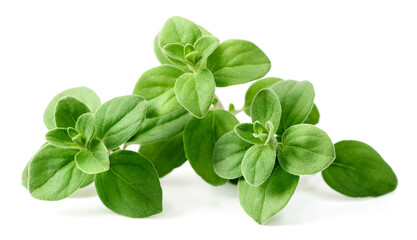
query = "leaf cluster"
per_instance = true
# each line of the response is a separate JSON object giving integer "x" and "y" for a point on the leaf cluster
{"x": 175, "y": 116}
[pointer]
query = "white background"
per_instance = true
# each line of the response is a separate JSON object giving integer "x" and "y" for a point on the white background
{"x": 361, "y": 57}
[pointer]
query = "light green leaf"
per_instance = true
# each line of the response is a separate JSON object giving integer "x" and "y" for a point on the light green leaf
{"x": 53, "y": 174}
{"x": 258, "y": 163}
{"x": 314, "y": 116}
{"x": 255, "y": 88}
{"x": 179, "y": 30}
{"x": 204, "y": 32}
{"x": 157, "y": 87}
{"x": 162, "y": 128}
{"x": 86, "y": 125}
{"x": 25, "y": 173}
{"x": 200, "y": 136}
{"x": 192, "y": 58}
{"x": 174, "y": 51}
{"x": 93, "y": 160}
{"x": 264, "y": 201}
{"x": 68, "y": 110}
{"x": 165, "y": 155}
{"x": 228, "y": 154}
{"x": 306, "y": 150}
{"x": 245, "y": 131}
{"x": 59, "y": 137}
{"x": 359, "y": 171}
{"x": 236, "y": 62}
{"x": 206, "y": 45}
{"x": 131, "y": 187}
{"x": 158, "y": 52}
{"x": 119, "y": 119}
{"x": 84, "y": 94}
{"x": 195, "y": 92}
{"x": 266, "y": 107}
{"x": 297, "y": 99}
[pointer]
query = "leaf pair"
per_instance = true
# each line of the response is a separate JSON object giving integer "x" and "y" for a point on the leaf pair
{"x": 196, "y": 64}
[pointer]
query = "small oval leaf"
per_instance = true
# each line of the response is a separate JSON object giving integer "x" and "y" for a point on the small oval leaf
{"x": 131, "y": 187}
{"x": 95, "y": 159}
{"x": 228, "y": 154}
{"x": 236, "y": 62}
{"x": 68, "y": 110}
{"x": 119, "y": 119}
{"x": 359, "y": 171}
{"x": 306, "y": 150}
{"x": 264, "y": 201}
{"x": 258, "y": 163}
{"x": 195, "y": 92}
{"x": 266, "y": 107}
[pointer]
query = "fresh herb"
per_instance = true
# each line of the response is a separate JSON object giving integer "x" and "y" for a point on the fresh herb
{"x": 175, "y": 116}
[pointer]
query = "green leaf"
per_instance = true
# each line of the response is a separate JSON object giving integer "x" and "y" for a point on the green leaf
{"x": 162, "y": 128}
{"x": 174, "y": 51}
{"x": 158, "y": 52}
{"x": 236, "y": 62}
{"x": 59, "y": 137}
{"x": 179, "y": 30}
{"x": 306, "y": 150}
{"x": 68, "y": 110}
{"x": 53, "y": 174}
{"x": 245, "y": 131}
{"x": 264, "y": 201}
{"x": 165, "y": 155}
{"x": 86, "y": 125}
{"x": 192, "y": 58}
{"x": 93, "y": 160}
{"x": 266, "y": 107}
{"x": 314, "y": 116}
{"x": 200, "y": 136}
{"x": 131, "y": 187}
{"x": 85, "y": 95}
{"x": 359, "y": 171}
{"x": 206, "y": 45}
{"x": 25, "y": 175}
{"x": 119, "y": 119}
{"x": 258, "y": 163}
{"x": 195, "y": 92}
{"x": 297, "y": 99}
{"x": 157, "y": 87}
{"x": 88, "y": 180}
{"x": 228, "y": 154}
{"x": 255, "y": 88}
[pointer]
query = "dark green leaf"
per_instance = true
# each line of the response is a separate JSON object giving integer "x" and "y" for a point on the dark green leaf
{"x": 157, "y": 87}
{"x": 228, "y": 154}
{"x": 236, "y": 62}
{"x": 93, "y": 160}
{"x": 119, "y": 119}
{"x": 68, "y": 110}
{"x": 85, "y": 95}
{"x": 255, "y": 88}
{"x": 258, "y": 163}
{"x": 306, "y": 150}
{"x": 195, "y": 92}
{"x": 131, "y": 187}
{"x": 165, "y": 155}
{"x": 359, "y": 171}
{"x": 264, "y": 201}
{"x": 200, "y": 136}
{"x": 162, "y": 128}
{"x": 297, "y": 99}
{"x": 53, "y": 174}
